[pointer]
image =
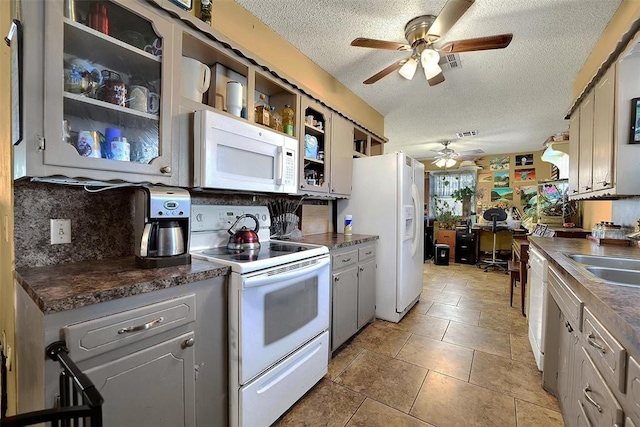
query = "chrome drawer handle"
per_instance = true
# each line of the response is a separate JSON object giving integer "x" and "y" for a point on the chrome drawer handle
{"x": 346, "y": 260}
{"x": 592, "y": 343}
{"x": 143, "y": 327}
{"x": 586, "y": 391}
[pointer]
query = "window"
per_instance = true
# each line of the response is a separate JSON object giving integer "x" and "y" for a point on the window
{"x": 441, "y": 187}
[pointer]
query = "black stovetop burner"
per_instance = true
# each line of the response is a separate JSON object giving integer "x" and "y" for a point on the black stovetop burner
{"x": 267, "y": 250}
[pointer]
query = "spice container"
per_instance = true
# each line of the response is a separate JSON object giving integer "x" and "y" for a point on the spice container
{"x": 348, "y": 225}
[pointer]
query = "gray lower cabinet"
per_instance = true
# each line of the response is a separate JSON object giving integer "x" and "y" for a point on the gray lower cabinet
{"x": 584, "y": 364}
{"x": 353, "y": 291}
{"x": 158, "y": 358}
{"x": 160, "y": 377}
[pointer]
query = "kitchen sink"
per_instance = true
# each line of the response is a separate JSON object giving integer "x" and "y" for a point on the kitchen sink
{"x": 607, "y": 262}
{"x": 619, "y": 276}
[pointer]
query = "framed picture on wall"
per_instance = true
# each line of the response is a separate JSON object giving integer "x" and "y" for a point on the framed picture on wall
{"x": 183, "y": 4}
{"x": 524, "y": 159}
{"x": 634, "y": 138}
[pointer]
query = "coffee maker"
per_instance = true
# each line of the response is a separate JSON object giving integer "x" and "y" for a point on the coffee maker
{"x": 162, "y": 226}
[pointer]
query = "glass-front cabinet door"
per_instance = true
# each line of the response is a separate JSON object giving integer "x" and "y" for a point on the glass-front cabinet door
{"x": 107, "y": 88}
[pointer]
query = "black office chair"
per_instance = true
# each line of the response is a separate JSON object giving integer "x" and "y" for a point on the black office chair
{"x": 494, "y": 215}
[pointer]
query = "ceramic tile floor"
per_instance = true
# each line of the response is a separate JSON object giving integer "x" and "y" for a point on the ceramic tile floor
{"x": 460, "y": 357}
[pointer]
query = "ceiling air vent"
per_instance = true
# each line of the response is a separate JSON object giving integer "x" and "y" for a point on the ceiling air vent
{"x": 467, "y": 133}
{"x": 450, "y": 61}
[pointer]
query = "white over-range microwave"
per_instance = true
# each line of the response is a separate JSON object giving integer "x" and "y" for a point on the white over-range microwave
{"x": 233, "y": 154}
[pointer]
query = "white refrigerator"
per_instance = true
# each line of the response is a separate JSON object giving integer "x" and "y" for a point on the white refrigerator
{"x": 387, "y": 199}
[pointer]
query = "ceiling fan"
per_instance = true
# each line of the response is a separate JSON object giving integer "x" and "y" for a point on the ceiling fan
{"x": 422, "y": 33}
{"x": 447, "y": 157}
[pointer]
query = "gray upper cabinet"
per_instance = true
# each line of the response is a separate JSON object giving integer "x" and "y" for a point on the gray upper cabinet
{"x": 341, "y": 156}
{"x": 603, "y": 131}
{"x": 585, "y": 156}
{"x": 101, "y": 109}
{"x": 574, "y": 153}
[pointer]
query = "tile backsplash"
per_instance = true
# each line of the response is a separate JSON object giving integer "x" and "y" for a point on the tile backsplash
{"x": 101, "y": 222}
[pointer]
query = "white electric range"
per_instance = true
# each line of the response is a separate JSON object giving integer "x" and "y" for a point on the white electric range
{"x": 278, "y": 313}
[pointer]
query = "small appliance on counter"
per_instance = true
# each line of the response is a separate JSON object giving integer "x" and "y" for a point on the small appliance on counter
{"x": 162, "y": 226}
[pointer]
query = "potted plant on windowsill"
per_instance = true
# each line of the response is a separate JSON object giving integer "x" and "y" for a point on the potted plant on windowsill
{"x": 464, "y": 195}
{"x": 444, "y": 214}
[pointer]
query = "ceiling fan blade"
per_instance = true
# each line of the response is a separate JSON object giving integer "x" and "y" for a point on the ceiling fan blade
{"x": 390, "y": 69}
{"x": 380, "y": 44}
{"x": 451, "y": 12}
{"x": 470, "y": 155}
{"x": 439, "y": 78}
{"x": 481, "y": 43}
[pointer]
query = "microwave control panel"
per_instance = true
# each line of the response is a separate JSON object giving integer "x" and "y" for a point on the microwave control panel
{"x": 289, "y": 168}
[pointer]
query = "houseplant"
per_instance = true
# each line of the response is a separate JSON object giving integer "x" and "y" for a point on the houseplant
{"x": 464, "y": 195}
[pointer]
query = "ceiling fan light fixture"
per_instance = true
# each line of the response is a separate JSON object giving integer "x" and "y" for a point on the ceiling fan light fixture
{"x": 429, "y": 57}
{"x": 408, "y": 70}
{"x": 441, "y": 162}
{"x": 431, "y": 70}
{"x": 445, "y": 162}
{"x": 450, "y": 163}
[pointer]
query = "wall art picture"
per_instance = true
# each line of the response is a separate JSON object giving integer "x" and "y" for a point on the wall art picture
{"x": 528, "y": 199}
{"x": 501, "y": 194}
{"x": 501, "y": 179}
{"x": 528, "y": 174}
{"x": 524, "y": 160}
{"x": 499, "y": 163}
{"x": 485, "y": 177}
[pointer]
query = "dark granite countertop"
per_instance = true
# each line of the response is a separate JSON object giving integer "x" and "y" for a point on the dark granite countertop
{"x": 617, "y": 307}
{"x": 337, "y": 241}
{"x": 67, "y": 286}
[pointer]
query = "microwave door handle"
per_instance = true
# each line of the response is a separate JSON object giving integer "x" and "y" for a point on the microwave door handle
{"x": 279, "y": 166}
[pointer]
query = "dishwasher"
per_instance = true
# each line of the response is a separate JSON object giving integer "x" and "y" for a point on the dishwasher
{"x": 537, "y": 285}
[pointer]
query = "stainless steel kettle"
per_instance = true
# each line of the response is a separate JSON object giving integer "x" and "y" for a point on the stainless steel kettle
{"x": 162, "y": 239}
{"x": 244, "y": 239}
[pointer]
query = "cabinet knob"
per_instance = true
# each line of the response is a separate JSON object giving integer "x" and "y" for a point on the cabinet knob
{"x": 336, "y": 279}
{"x": 586, "y": 187}
{"x": 361, "y": 268}
{"x": 165, "y": 169}
{"x": 574, "y": 191}
{"x": 188, "y": 343}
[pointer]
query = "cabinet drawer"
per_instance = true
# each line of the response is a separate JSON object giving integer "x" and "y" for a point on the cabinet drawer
{"x": 633, "y": 391}
{"x": 344, "y": 259}
{"x": 97, "y": 336}
{"x": 568, "y": 301}
{"x": 594, "y": 396}
{"x": 605, "y": 351}
{"x": 368, "y": 252}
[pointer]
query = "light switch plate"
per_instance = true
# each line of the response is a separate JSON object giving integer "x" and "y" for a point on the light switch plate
{"x": 60, "y": 231}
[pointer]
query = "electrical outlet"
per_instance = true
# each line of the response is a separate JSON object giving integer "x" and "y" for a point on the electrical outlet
{"x": 60, "y": 231}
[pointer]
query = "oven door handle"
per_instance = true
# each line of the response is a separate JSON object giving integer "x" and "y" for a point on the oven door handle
{"x": 267, "y": 278}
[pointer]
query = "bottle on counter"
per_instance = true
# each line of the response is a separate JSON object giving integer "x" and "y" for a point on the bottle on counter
{"x": 348, "y": 225}
{"x": 276, "y": 120}
{"x": 205, "y": 11}
{"x": 288, "y": 117}
{"x": 262, "y": 111}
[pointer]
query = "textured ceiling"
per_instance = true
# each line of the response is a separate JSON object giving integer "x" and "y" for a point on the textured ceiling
{"x": 515, "y": 97}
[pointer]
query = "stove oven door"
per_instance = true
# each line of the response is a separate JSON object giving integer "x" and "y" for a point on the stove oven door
{"x": 274, "y": 312}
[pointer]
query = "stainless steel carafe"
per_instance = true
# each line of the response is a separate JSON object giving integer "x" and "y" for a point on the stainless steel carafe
{"x": 169, "y": 239}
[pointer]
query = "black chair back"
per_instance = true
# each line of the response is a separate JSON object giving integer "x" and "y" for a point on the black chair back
{"x": 494, "y": 215}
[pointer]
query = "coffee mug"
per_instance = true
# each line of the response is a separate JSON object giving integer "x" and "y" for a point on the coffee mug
{"x": 139, "y": 98}
{"x": 120, "y": 149}
{"x": 153, "y": 103}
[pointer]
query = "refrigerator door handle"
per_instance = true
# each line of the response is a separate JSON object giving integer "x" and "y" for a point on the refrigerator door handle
{"x": 416, "y": 216}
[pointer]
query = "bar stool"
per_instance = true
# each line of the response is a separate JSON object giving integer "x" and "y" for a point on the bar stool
{"x": 514, "y": 270}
